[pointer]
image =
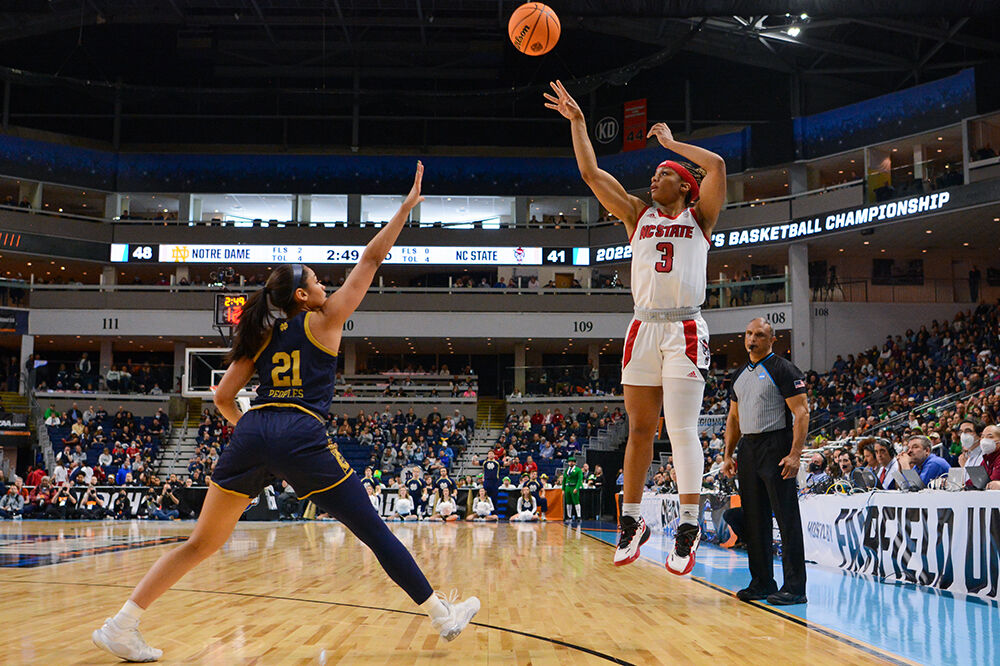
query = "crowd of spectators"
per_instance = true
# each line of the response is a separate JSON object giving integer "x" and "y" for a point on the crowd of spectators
{"x": 922, "y": 400}
{"x": 862, "y": 393}
{"x": 96, "y": 449}
{"x": 410, "y": 381}
{"x": 389, "y": 440}
{"x": 932, "y": 447}
{"x": 570, "y": 381}
{"x": 888, "y": 392}
{"x": 213, "y": 436}
{"x": 96, "y": 443}
{"x": 543, "y": 441}
{"x": 82, "y": 375}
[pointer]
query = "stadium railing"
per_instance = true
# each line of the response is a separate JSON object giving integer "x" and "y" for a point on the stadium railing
{"x": 37, "y": 413}
{"x": 719, "y": 294}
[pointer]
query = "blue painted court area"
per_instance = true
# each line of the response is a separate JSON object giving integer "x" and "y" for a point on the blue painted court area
{"x": 916, "y": 623}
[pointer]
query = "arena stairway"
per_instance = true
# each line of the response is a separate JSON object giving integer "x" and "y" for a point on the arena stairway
{"x": 178, "y": 449}
{"x": 13, "y": 402}
{"x": 490, "y": 412}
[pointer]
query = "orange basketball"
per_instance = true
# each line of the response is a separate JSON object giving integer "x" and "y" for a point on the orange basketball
{"x": 534, "y": 28}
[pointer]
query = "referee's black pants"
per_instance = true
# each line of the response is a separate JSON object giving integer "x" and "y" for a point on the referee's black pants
{"x": 763, "y": 491}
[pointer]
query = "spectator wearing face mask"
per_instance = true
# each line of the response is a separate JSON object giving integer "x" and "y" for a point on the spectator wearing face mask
{"x": 969, "y": 432}
{"x": 817, "y": 471}
{"x": 990, "y": 445}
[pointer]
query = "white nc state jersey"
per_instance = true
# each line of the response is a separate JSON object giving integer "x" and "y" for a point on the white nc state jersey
{"x": 669, "y": 260}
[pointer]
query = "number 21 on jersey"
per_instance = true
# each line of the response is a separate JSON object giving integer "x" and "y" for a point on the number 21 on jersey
{"x": 282, "y": 363}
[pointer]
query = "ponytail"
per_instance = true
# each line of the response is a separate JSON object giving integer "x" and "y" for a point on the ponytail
{"x": 256, "y": 318}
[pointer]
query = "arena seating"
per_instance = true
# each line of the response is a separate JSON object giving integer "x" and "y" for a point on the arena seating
{"x": 388, "y": 441}
{"x": 879, "y": 384}
{"x": 109, "y": 431}
{"x": 568, "y": 434}
{"x": 407, "y": 384}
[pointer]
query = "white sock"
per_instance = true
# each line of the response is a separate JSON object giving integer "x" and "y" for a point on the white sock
{"x": 435, "y": 608}
{"x": 579, "y": 513}
{"x": 130, "y": 614}
{"x": 631, "y": 510}
{"x": 689, "y": 514}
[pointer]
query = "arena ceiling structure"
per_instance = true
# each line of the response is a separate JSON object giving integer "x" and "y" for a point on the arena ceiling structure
{"x": 382, "y": 74}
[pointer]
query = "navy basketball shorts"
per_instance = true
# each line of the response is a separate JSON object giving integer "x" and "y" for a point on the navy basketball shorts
{"x": 291, "y": 444}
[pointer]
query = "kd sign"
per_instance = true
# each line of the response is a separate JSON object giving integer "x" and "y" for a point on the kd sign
{"x": 606, "y": 129}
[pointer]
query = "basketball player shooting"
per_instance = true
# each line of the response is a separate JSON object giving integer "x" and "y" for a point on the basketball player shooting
{"x": 666, "y": 355}
{"x": 284, "y": 434}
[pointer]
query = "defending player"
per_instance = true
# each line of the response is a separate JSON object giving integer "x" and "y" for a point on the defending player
{"x": 666, "y": 355}
{"x": 283, "y": 434}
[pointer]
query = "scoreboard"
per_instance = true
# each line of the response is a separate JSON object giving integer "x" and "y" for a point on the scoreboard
{"x": 228, "y": 308}
{"x": 430, "y": 255}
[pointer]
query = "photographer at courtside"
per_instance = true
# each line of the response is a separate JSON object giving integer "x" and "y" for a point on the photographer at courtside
{"x": 765, "y": 396}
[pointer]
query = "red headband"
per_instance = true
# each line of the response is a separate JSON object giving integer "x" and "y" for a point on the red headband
{"x": 684, "y": 174}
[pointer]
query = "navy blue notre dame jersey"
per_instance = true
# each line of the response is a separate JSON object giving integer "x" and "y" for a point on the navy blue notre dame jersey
{"x": 443, "y": 482}
{"x": 294, "y": 368}
{"x": 416, "y": 487}
{"x": 491, "y": 472}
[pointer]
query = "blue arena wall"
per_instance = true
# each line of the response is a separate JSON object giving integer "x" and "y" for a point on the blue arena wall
{"x": 307, "y": 174}
{"x": 901, "y": 113}
{"x": 908, "y": 111}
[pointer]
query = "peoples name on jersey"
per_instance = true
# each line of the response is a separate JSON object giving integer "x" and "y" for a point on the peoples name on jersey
{"x": 285, "y": 393}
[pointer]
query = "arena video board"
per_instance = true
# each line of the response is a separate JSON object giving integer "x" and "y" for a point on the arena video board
{"x": 348, "y": 254}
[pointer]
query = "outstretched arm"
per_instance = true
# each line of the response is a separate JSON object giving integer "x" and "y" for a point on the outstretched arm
{"x": 608, "y": 191}
{"x": 341, "y": 304}
{"x": 713, "y": 186}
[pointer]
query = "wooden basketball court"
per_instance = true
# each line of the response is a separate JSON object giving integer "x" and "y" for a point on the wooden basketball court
{"x": 283, "y": 593}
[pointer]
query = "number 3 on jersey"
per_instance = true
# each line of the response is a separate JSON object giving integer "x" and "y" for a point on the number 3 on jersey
{"x": 282, "y": 364}
{"x": 666, "y": 262}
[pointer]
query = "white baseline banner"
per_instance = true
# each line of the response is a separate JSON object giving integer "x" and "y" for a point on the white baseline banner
{"x": 935, "y": 538}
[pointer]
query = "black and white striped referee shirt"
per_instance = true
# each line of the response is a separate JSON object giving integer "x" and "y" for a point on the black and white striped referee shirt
{"x": 760, "y": 390}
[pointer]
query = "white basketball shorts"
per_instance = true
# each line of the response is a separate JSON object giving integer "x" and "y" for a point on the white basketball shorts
{"x": 660, "y": 350}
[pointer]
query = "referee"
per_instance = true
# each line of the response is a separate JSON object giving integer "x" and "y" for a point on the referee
{"x": 764, "y": 396}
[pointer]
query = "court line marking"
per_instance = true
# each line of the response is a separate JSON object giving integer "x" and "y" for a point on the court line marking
{"x": 820, "y": 629}
{"x": 547, "y": 639}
